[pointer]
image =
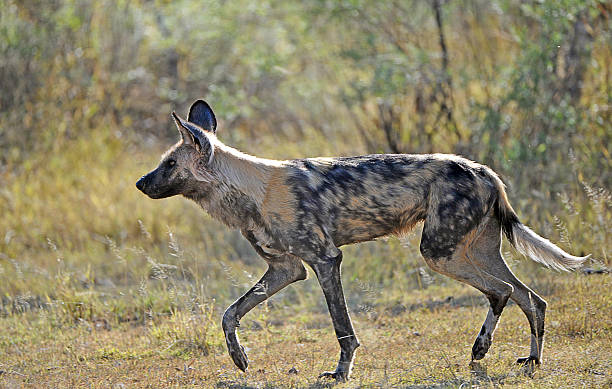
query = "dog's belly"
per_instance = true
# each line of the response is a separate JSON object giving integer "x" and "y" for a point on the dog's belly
{"x": 370, "y": 221}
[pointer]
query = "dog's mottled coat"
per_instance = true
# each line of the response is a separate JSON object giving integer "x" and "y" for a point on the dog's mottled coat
{"x": 302, "y": 211}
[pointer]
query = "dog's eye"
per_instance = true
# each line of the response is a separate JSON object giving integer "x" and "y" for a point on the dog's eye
{"x": 171, "y": 162}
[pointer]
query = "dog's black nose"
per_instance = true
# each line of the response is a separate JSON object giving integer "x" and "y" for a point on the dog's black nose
{"x": 140, "y": 184}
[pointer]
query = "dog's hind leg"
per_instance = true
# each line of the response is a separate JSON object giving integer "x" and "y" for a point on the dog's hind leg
{"x": 459, "y": 267}
{"x": 487, "y": 256}
{"x": 279, "y": 274}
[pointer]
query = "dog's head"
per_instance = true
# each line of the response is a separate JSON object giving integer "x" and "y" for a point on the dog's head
{"x": 188, "y": 162}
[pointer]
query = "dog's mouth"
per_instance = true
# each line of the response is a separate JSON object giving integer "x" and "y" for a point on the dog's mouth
{"x": 161, "y": 195}
{"x": 152, "y": 192}
{"x": 158, "y": 194}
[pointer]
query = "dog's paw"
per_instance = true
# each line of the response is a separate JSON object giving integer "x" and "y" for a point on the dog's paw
{"x": 338, "y": 375}
{"x": 239, "y": 357}
{"x": 530, "y": 360}
{"x": 528, "y": 365}
{"x": 481, "y": 346}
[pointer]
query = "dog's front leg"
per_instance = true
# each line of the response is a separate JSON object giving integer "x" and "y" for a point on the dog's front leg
{"x": 328, "y": 274}
{"x": 284, "y": 271}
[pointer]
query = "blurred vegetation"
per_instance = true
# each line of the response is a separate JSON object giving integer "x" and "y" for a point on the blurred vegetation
{"x": 88, "y": 86}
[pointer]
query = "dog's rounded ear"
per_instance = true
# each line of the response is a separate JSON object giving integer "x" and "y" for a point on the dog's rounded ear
{"x": 201, "y": 114}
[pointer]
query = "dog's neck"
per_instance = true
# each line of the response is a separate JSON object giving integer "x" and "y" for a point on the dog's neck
{"x": 246, "y": 173}
{"x": 236, "y": 195}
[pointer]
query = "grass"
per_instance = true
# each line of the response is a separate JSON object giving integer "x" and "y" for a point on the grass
{"x": 426, "y": 344}
{"x": 101, "y": 287}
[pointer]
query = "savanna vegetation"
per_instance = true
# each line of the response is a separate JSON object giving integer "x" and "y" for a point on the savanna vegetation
{"x": 103, "y": 287}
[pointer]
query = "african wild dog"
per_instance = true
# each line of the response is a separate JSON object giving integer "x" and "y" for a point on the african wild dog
{"x": 303, "y": 210}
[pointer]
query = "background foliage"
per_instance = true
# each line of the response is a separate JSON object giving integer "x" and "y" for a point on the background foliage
{"x": 88, "y": 86}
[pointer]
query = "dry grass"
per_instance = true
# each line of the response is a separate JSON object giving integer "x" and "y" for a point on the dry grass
{"x": 425, "y": 344}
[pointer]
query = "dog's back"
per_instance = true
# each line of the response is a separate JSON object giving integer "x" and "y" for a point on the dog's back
{"x": 365, "y": 197}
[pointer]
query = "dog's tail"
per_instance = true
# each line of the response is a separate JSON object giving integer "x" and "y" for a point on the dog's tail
{"x": 528, "y": 242}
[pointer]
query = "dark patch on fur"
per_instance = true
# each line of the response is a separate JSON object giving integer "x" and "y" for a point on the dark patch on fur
{"x": 460, "y": 206}
{"x": 507, "y": 220}
{"x": 497, "y": 303}
{"x": 483, "y": 330}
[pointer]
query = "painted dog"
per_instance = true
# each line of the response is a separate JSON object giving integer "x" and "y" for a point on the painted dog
{"x": 301, "y": 211}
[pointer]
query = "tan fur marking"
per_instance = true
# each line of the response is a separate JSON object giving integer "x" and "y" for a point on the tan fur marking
{"x": 278, "y": 199}
{"x": 407, "y": 223}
